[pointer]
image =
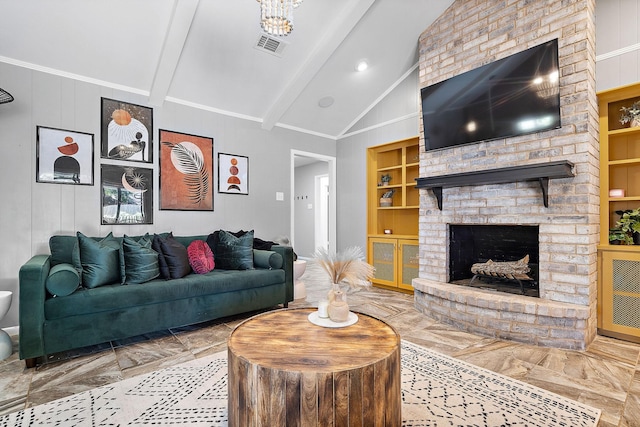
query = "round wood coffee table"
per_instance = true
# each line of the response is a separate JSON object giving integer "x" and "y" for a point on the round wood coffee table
{"x": 286, "y": 371}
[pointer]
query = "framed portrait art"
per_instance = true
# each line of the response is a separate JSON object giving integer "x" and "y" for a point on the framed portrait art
{"x": 64, "y": 156}
{"x": 233, "y": 174}
{"x": 127, "y": 195}
{"x": 186, "y": 172}
{"x": 126, "y": 131}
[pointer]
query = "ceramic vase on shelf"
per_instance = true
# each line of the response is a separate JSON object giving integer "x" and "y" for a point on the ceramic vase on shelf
{"x": 338, "y": 308}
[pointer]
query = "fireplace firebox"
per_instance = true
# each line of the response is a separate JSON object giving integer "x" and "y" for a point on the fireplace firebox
{"x": 473, "y": 244}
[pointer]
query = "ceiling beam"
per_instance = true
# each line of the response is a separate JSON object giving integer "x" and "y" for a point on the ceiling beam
{"x": 326, "y": 46}
{"x": 179, "y": 25}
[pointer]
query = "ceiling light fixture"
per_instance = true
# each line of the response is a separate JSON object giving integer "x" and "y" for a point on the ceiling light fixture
{"x": 276, "y": 16}
{"x": 362, "y": 65}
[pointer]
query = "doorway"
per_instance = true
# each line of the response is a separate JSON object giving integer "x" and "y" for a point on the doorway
{"x": 313, "y": 205}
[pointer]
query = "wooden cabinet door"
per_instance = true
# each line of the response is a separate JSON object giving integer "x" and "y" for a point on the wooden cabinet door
{"x": 620, "y": 296}
{"x": 383, "y": 254}
{"x": 407, "y": 263}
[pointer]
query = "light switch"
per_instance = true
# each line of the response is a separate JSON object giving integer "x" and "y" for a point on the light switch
{"x": 279, "y": 196}
{"x": 309, "y": 206}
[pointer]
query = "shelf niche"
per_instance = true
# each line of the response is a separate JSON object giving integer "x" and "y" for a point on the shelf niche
{"x": 540, "y": 172}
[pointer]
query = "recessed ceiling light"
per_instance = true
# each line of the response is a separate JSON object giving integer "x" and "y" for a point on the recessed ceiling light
{"x": 362, "y": 65}
{"x": 325, "y": 102}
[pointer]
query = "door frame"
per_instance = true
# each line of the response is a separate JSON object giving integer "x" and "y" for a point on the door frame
{"x": 331, "y": 171}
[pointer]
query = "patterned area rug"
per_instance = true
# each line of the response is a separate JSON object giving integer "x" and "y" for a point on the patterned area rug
{"x": 437, "y": 390}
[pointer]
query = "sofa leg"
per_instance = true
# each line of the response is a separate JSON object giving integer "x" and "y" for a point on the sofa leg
{"x": 31, "y": 363}
{"x": 286, "y": 305}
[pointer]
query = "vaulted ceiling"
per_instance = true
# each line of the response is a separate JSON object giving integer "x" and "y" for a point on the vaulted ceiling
{"x": 204, "y": 53}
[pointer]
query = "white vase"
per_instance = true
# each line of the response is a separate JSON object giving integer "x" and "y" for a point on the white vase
{"x": 338, "y": 308}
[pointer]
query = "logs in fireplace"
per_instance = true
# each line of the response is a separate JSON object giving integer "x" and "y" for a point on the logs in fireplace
{"x": 506, "y": 270}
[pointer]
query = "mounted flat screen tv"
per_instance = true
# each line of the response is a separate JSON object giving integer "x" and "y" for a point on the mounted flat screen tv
{"x": 512, "y": 96}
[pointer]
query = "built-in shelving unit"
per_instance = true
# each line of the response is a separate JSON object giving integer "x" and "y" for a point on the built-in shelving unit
{"x": 392, "y": 231}
{"x": 618, "y": 265}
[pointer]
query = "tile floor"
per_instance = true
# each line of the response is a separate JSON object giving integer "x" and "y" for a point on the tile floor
{"x": 605, "y": 376}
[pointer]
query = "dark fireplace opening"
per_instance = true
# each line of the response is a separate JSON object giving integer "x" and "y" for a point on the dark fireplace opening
{"x": 495, "y": 248}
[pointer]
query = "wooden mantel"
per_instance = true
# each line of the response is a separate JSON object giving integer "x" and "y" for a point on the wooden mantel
{"x": 540, "y": 172}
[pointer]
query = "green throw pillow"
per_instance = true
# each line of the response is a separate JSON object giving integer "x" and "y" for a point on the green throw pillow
{"x": 101, "y": 261}
{"x": 267, "y": 259}
{"x": 140, "y": 261}
{"x": 234, "y": 253}
{"x": 63, "y": 280}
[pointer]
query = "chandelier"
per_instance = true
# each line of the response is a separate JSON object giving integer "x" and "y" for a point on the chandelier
{"x": 276, "y": 16}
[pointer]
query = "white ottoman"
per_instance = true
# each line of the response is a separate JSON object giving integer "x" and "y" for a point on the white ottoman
{"x": 6, "y": 346}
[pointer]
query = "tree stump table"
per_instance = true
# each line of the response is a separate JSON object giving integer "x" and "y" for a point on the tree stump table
{"x": 286, "y": 371}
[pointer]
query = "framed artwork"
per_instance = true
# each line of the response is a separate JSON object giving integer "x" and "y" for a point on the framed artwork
{"x": 126, "y": 131}
{"x": 127, "y": 195}
{"x": 64, "y": 156}
{"x": 233, "y": 174}
{"x": 186, "y": 172}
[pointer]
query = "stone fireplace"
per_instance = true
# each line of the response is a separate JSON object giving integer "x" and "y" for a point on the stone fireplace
{"x": 564, "y": 209}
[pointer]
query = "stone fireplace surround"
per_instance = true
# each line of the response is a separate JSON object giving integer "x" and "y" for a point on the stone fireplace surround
{"x": 469, "y": 34}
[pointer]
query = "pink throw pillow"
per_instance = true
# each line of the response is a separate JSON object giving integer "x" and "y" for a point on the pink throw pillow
{"x": 200, "y": 257}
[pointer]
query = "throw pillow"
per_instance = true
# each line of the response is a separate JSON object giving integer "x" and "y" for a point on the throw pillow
{"x": 176, "y": 257}
{"x": 267, "y": 259}
{"x": 235, "y": 253}
{"x": 214, "y": 238}
{"x": 200, "y": 257}
{"x": 140, "y": 261}
{"x": 101, "y": 260}
{"x": 155, "y": 245}
{"x": 63, "y": 280}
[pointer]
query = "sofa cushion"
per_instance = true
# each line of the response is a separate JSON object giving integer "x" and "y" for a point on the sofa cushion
{"x": 101, "y": 261}
{"x": 174, "y": 255}
{"x": 115, "y": 297}
{"x": 213, "y": 239}
{"x": 162, "y": 263}
{"x": 61, "y": 248}
{"x": 200, "y": 257}
{"x": 63, "y": 280}
{"x": 234, "y": 253}
{"x": 267, "y": 259}
{"x": 140, "y": 261}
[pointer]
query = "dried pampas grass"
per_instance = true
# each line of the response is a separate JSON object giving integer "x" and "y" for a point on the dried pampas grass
{"x": 346, "y": 266}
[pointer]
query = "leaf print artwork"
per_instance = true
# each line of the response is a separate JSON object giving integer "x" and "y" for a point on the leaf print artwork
{"x": 187, "y": 158}
{"x": 186, "y": 164}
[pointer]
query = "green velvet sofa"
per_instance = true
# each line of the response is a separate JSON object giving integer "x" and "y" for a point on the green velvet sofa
{"x": 89, "y": 316}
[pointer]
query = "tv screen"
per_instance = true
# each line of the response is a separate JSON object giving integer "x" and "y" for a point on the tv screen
{"x": 512, "y": 96}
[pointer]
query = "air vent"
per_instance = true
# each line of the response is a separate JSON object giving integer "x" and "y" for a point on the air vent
{"x": 270, "y": 45}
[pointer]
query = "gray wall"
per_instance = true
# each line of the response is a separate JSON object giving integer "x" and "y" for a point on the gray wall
{"x": 617, "y": 43}
{"x": 32, "y": 212}
{"x": 304, "y": 218}
{"x": 399, "y": 114}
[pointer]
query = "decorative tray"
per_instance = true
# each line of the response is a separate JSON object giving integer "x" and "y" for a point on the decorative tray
{"x": 328, "y": 323}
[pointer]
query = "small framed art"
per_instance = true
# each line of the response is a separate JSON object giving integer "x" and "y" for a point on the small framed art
{"x": 126, "y": 131}
{"x": 127, "y": 195}
{"x": 64, "y": 156}
{"x": 186, "y": 172}
{"x": 233, "y": 174}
